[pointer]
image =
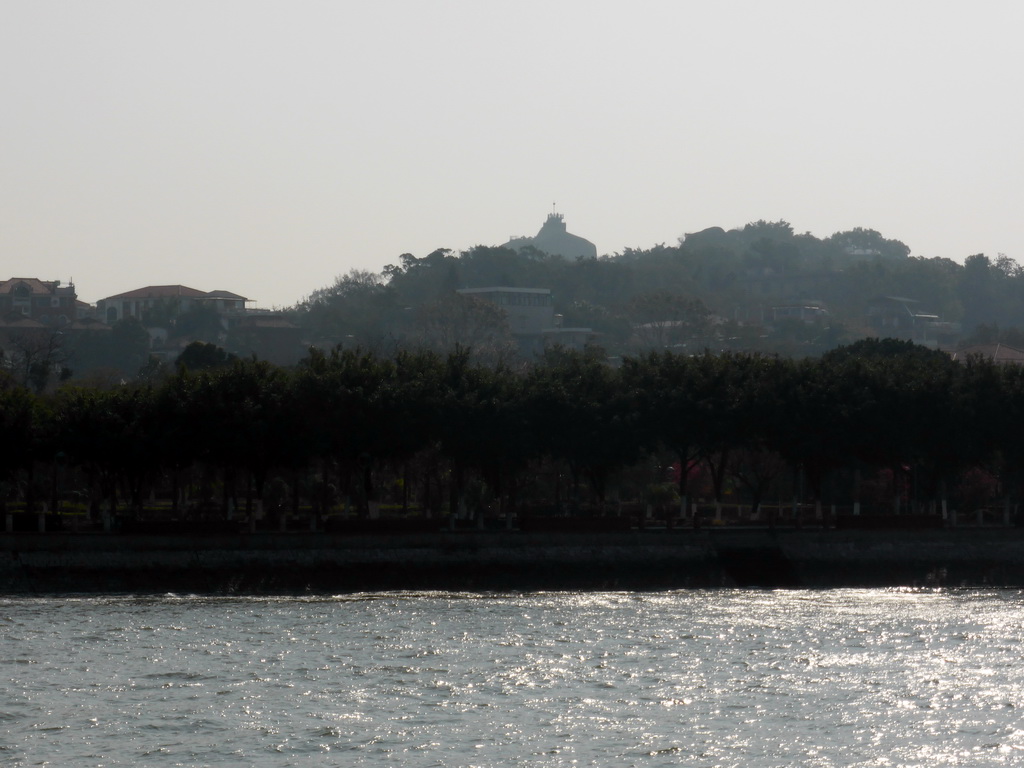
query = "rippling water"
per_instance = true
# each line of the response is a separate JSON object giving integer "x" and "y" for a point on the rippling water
{"x": 696, "y": 678}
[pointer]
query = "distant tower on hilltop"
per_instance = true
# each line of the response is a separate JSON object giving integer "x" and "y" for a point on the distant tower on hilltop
{"x": 554, "y": 240}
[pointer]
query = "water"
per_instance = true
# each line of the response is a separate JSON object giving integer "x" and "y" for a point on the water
{"x": 696, "y": 678}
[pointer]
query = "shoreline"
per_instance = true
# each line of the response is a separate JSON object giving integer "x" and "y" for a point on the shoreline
{"x": 305, "y": 563}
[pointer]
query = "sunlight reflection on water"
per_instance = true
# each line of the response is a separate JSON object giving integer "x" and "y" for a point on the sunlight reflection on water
{"x": 814, "y": 678}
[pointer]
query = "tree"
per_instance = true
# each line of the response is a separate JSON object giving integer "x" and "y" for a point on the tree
{"x": 112, "y": 436}
{"x": 36, "y": 357}
{"x": 767, "y": 230}
{"x": 756, "y": 469}
{"x": 348, "y": 401}
{"x": 864, "y": 243}
{"x": 418, "y": 281}
{"x": 885, "y": 349}
{"x": 112, "y": 353}
{"x": 253, "y": 424}
{"x": 129, "y": 342}
{"x": 662, "y": 320}
{"x": 483, "y": 267}
{"x": 814, "y": 415}
{"x": 482, "y": 426}
{"x": 22, "y": 417}
{"x": 358, "y": 310}
{"x": 468, "y": 322}
{"x": 199, "y": 323}
{"x": 903, "y": 411}
{"x": 612, "y": 327}
{"x": 665, "y": 390}
{"x": 201, "y": 356}
{"x": 579, "y": 413}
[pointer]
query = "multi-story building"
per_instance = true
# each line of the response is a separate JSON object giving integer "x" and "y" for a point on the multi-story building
{"x": 45, "y": 301}
{"x": 531, "y": 317}
{"x": 179, "y": 297}
{"x": 901, "y": 318}
{"x": 241, "y": 330}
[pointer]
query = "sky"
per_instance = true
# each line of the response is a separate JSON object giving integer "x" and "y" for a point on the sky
{"x": 268, "y": 147}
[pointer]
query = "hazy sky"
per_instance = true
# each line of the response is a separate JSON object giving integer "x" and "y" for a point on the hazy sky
{"x": 266, "y": 147}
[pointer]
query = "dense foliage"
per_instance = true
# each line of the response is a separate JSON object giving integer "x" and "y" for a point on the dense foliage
{"x": 713, "y": 289}
{"x": 441, "y": 433}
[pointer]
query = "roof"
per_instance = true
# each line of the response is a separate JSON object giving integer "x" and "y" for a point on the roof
{"x": 34, "y": 284}
{"x": 159, "y": 292}
{"x": 225, "y": 295}
{"x": 503, "y": 289}
{"x": 88, "y": 324}
{"x": 18, "y": 320}
{"x": 997, "y": 353}
{"x": 900, "y": 299}
{"x": 264, "y": 321}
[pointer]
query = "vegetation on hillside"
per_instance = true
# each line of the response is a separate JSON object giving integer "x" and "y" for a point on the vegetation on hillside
{"x": 714, "y": 289}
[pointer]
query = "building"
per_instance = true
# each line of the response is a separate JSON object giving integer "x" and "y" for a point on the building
{"x": 529, "y": 311}
{"x": 901, "y": 318}
{"x": 1001, "y": 354}
{"x": 268, "y": 335}
{"x": 179, "y": 298}
{"x": 46, "y": 301}
{"x": 554, "y": 240}
{"x": 807, "y": 313}
{"x": 242, "y": 330}
{"x": 531, "y": 318}
{"x": 44, "y": 329}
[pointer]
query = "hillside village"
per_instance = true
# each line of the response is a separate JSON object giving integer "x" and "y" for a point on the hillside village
{"x": 735, "y": 367}
{"x": 760, "y": 288}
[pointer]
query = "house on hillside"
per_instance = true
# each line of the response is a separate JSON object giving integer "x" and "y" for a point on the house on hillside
{"x": 35, "y": 352}
{"x": 809, "y": 312}
{"x": 46, "y": 301}
{"x": 241, "y": 330}
{"x": 268, "y": 335}
{"x": 902, "y": 318}
{"x": 531, "y": 317}
{"x": 529, "y": 310}
{"x": 182, "y": 298}
{"x": 15, "y": 324}
{"x": 995, "y": 353}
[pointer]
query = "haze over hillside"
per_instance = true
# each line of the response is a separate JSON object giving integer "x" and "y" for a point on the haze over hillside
{"x": 264, "y": 147}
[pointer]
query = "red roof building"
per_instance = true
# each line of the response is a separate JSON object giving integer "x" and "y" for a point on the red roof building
{"x": 180, "y": 297}
{"x": 45, "y": 301}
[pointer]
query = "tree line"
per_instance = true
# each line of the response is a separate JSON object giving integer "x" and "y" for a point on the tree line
{"x": 440, "y": 434}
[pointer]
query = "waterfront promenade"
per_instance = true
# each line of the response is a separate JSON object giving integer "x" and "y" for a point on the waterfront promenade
{"x": 289, "y": 563}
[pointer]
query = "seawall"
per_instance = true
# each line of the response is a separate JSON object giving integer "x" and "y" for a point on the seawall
{"x": 321, "y": 563}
